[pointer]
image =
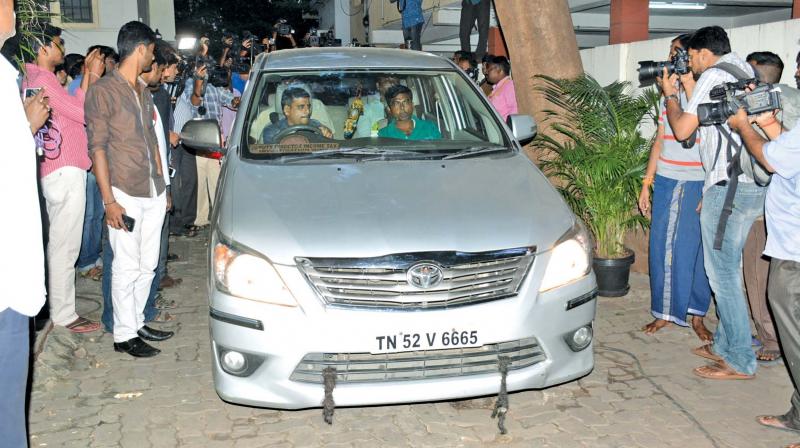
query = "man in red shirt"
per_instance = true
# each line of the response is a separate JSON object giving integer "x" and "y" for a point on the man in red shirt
{"x": 62, "y": 173}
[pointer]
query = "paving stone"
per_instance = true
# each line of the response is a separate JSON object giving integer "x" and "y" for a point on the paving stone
{"x": 85, "y": 394}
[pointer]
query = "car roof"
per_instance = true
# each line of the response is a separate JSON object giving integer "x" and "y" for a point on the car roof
{"x": 350, "y": 57}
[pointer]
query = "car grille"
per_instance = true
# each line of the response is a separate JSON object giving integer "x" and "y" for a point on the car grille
{"x": 419, "y": 365}
{"x": 382, "y": 282}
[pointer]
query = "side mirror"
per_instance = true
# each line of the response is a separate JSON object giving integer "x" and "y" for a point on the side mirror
{"x": 523, "y": 127}
{"x": 202, "y": 135}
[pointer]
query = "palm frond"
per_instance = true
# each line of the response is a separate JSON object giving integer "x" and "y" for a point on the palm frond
{"x": 595, "y": 151}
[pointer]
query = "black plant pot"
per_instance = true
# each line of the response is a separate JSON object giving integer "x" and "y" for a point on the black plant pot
{"x": 613, "y": 274}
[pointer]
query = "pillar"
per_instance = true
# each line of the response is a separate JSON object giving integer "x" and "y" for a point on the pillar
{"x": 630, "y": 21}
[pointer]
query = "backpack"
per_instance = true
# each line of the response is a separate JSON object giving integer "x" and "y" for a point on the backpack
{"x": 740, "y": 161}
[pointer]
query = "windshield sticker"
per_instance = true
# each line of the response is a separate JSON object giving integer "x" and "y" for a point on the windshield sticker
{"x": 296, "y": 148}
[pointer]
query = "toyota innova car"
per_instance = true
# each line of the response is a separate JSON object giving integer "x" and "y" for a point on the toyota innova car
{"x": 408, "y": 264}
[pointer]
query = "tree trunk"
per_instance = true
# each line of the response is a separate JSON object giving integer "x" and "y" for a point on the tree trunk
{"x": 540, "y": 40}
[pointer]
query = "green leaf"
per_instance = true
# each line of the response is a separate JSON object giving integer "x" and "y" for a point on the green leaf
{"x": 594, "y": 150}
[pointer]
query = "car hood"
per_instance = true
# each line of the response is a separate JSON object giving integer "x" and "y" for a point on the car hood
{"x": 385, "y": 207}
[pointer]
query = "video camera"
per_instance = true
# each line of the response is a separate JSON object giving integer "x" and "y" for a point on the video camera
{"x": 283, "y": 28}
{"x": 732, "y": 95}
{"x": 650, "y": 70}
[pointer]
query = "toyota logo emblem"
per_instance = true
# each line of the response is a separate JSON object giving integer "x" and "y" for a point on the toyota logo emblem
{"x": 424, "y": 275}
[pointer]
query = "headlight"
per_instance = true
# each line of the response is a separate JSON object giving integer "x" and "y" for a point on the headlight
{"x": 570, "y": 259}
{"x": 249, "y": 276}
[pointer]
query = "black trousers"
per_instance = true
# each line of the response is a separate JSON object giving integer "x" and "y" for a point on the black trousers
{"x": 784, "y": 298}
{"x": 184, "y": 190}
{"x": 414, "y": 34}
{"x": 469, "y": 15}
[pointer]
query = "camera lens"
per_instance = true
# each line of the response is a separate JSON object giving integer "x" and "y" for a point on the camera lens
{"x": 648, "y": 72}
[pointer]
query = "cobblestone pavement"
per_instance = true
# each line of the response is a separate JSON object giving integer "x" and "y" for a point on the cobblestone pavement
{"x": 641, "y": 393}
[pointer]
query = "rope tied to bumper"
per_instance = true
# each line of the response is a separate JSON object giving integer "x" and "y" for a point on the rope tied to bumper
{"x": 329, "y": 381}
{"x": 501, "y": 405}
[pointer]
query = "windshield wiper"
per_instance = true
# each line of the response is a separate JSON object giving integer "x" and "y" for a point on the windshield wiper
{"x": 357, "y": 150}
{"x": 474, "y": 151}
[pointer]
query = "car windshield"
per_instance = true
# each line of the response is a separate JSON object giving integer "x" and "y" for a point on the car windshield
{"x": 391, "y": 114}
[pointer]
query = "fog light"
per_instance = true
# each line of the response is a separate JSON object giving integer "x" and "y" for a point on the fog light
{"x": 580, "y": 338}
{"x": 233, "y": 362}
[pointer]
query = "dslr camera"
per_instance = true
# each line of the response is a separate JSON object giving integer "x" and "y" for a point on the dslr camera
{"x": 730, "y": 96}
{"x": 650, "y": 70}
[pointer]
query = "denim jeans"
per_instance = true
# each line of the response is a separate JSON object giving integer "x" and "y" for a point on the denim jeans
{"x": 732, "y": 340}
{"x": 92, "y": 226}
{"x": 14, "y": 357}
{"x": 150, "y": 310}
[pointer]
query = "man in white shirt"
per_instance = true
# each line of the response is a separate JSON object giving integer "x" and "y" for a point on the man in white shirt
{"x": 22, "y": 278}
{"x": 781, "y": 157}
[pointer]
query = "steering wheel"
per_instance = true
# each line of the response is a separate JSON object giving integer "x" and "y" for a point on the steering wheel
{"x": 295, "y": 129}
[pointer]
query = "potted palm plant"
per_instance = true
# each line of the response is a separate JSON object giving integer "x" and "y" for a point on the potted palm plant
{"x": 594, "y": 152}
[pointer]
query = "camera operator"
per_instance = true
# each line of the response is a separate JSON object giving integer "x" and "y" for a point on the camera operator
{"x": 282, "y": 37}
{"x": 465, "y": 60}
{"x": 678, "y": 283}
{"x": 769, "y": 68}
{"x": 204, "y": 100}
{"x": 781, "y": 157}
{"x": 708, "y": 48}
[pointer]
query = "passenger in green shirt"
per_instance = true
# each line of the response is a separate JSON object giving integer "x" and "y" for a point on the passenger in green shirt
{"x": 402, "y": 124}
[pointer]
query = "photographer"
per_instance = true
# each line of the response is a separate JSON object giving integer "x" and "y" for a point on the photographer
{"x": 205, "y": 99}
{"x": 709, "y": 48}
{"x": 781, "y": 157}
{"x": 769, "y": 68}
{"x": 282, "y": 37}
{"x": 678, "y": 283}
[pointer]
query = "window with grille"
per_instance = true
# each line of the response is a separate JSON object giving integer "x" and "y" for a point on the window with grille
{"x": 76, "y": 11}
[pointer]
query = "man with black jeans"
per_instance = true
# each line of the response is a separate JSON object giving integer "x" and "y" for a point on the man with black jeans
{"x": 413, "y": 20}
{"x": 475, "y": 11}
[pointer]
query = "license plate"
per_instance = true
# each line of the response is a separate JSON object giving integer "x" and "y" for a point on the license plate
{"x": 430, "y": 340}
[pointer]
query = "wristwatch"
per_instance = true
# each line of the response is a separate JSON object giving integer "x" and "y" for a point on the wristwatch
{"x": 672, "y": 96}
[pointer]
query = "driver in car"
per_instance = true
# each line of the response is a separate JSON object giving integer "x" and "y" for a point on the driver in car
{"x": 402, "y": 122}
{"x": 296, "y": 106}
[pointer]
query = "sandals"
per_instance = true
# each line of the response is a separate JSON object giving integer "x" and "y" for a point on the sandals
{"x": 164, "y": 304}
{"x": 721, "y": 371}
{"x": 704, "y": 351}
{"x": 83, "y": 325}
{"x": 169, "y": 282}
{"x": 95, "y": 273}
{"x": 194, "y": 228}
{"x": 163, "y": 316}
{"x": 768, "y": 357}
{"x": 777, "y": 422}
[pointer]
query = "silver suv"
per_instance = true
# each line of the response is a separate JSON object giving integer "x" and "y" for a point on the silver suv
{"x": 376, "y": 221}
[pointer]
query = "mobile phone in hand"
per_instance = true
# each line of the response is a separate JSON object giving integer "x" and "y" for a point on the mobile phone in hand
{"x": 32, "y": 91}
{"x": 129, "y": 222}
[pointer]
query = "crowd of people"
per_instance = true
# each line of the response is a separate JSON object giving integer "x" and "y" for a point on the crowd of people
{"x": 709, "y": 215}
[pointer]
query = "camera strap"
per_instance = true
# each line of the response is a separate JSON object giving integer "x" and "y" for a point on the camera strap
{"x": 734, "y": 168}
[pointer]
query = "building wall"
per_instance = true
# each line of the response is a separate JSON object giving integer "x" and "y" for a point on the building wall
{"x": 619, "y": 62}
{"x": 109, "y": 16}
{"x": 335, "y": 13}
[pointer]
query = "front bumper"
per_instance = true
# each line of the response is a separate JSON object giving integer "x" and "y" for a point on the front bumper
{"x": 280, "y": 337}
